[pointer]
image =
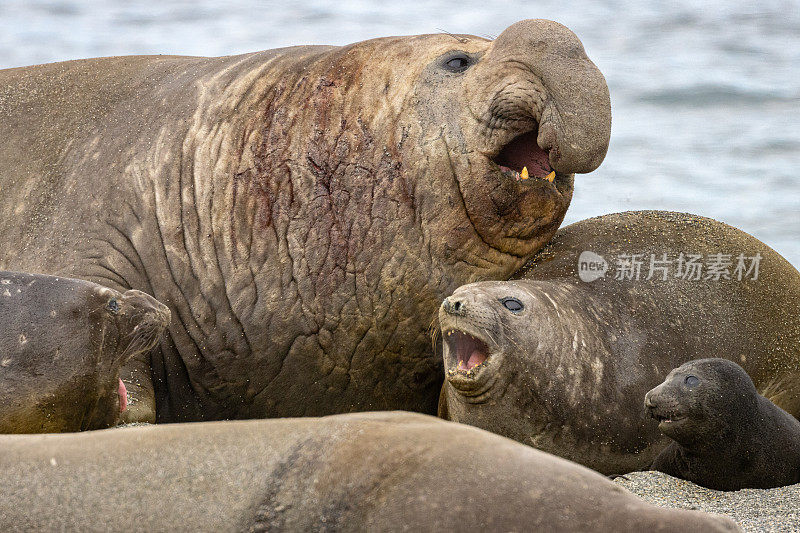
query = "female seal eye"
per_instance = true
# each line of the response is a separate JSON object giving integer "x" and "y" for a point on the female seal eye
{"x": 458, "y": 63}
{"x": 512, "y": 304}
{"x": 691, "y": 381}
{"x": 113, "y": 305}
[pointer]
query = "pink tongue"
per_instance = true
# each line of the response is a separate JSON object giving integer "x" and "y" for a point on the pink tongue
{"x": 475, "y": 359}
{"x": 123, "y": 397}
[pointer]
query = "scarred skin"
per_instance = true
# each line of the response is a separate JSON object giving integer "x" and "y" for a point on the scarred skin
{"x": 354, "y": 472}
{"x": 62, "y": 345}
{"x": 567, "y": 373}
{"x": 302, "y": 211}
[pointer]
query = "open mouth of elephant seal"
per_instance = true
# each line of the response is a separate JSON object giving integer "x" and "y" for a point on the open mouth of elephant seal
{"x": 665, "y": 411}
{"x": 470, "y": 364}
{"x": 665, "y": 418}
{"x": 524, "y": 159}
{"x": 467, "y": 352}
{"x": 472, "y": 350}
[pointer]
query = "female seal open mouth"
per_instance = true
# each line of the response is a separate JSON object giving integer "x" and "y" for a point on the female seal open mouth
{"x": 470, "y": 348}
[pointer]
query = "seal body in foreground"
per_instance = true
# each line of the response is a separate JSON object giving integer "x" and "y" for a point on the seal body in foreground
{"x": 562, "y": 364}
{"x": 357, "y": 472}
{"x": 62, "y": 345}
{"x": 725, "y": 435}
{"x": 302, "y": 211}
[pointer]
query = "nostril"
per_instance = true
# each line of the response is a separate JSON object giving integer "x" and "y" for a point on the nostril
{"x": 453, "y": 306}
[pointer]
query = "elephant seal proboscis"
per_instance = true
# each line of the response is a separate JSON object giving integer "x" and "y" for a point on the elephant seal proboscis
{"x": 62, "y": 346}
{"x": 562, "y": 364}
{"x": 355, "y": 472}
{"x": 298, "y": 209}
{"x": 725, "y": 435}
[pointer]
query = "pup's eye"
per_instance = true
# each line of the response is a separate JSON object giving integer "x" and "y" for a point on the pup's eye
{"x": 458, "y": 62}
{"x": 113, "y": 306}
{"x": 691, "y": 381}
{"x": 512, "y": 304}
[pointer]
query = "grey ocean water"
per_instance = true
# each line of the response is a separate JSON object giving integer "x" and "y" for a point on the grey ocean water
{"x": 706, "y": 94}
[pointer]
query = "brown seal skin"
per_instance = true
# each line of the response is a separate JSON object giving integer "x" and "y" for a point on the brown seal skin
{"x": 353, "y": 472}
{"x": 302, "y": 211}
{"x": 62, "y": 346}
{"x": 725, "y": 435}
{"x": 567, "y": 372}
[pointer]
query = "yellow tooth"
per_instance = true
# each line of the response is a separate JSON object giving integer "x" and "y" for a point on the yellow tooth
{"x": 550, "y": 177}
{"x": 524, "y": 174}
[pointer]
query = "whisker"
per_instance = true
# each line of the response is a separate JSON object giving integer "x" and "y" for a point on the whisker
{"x": 461, "y": 40}
{"x": 434, "y": 331}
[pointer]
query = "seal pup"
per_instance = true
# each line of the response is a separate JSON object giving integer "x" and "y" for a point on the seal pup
{"x": 62, "y": 345}
{"x": 374, "y": 471}
{"x": 298, "y": 209}
{"x": 726, "y": 436}
{"x": 562, "y": 364}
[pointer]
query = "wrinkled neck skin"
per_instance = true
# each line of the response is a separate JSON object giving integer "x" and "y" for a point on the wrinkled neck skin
{"x": 325, "y": 232}
{"x": 556, "y": 390}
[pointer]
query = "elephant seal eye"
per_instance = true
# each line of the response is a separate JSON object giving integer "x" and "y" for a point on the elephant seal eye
{"x": 458, "y": 62}
{"x": 113, "y": 306}
{"x": 512, "y": 304}
{"x": 691, "y": 381}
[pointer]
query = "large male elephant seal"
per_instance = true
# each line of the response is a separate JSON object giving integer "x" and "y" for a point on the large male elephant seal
{"x": 356, "y": 472}
{"x": 725, "y": 435}
{"x": 563, "y": 364}
{"x": 62, "y": 344}
{"x": 303, "y": 211}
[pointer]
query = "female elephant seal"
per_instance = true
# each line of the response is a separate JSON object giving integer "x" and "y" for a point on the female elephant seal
{"x": 62, "y": 345}
{"x": 563, "y": 364}
{"x": 725, "y": 435}
{"x": 356, "y": 472}
{"x": 298, "y": 209}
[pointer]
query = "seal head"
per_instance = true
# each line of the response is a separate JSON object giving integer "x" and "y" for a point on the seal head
{"x": 521, "y": 360}
{"x": 136, "y": 322}
{"x": 726, "y": 436}
{"x": 64, "y": 343}
{"x": 472, "y": 342}
{"x": 695, "y": 403}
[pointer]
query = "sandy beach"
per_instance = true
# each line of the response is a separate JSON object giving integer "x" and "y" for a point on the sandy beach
{"x": 754, "y": 509}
